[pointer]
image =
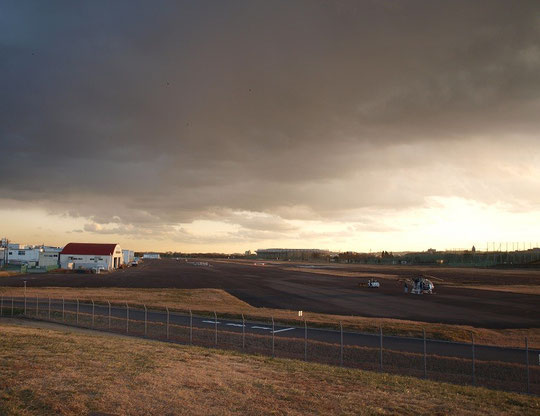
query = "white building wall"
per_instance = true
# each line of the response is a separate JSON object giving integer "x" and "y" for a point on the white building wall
{"x": 118, "y": 257}
{"x": 16, "y": 246}
{"x": 151, "y": 256}
{"x": 86, "y": 261}
{"x": 23, "y": 255}
{"x": 128, "y": 256}
{"x": 48, "y": 258}
{"x": 52, "y": 248}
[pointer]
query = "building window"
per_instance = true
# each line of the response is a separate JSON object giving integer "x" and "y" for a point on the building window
{"x": 21, "y": 253}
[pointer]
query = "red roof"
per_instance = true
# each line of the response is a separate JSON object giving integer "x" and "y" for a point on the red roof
{"x": 89, "y": 248}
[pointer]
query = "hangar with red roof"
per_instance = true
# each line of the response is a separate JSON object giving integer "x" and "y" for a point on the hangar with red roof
{"x": 85, "y": 256}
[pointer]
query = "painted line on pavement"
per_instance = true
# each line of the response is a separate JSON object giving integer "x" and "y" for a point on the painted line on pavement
{"x": 283, "y": 330}
{"x": 211, "y": 322}
{"x": 239, "y": 325}
{"x": 260, "y": 327}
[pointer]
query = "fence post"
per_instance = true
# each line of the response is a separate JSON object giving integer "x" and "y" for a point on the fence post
{"x": 109, "y": 314}
{"x": 93, "y": 307}
{"x": 190, "y": 328}
{"x": 473, "y": 363}
{"x": 381, "y": 348}
{"x": 145, "y": 320}
{"x": 273, "y": 332}
{"x": 2, "y": 305}
{"x": 37, "y": 306}
{"x": 12, "y": 306}
{"x": 425, "y": 356}
{"x": 127, "y": 318}
{"x": 49, "y": 308}
{"x": 243, "y": 332}
{"x": 25, "y": 300}
{"x": 63, "y": 310}
{"x": 167, "y": 308}
{"x": 527, "y": 363}
{"x": 215, "y": 324}
{"x": 77, "y": 311}
{"x": 305, "y": 340}
{"x": 341, "y": 345}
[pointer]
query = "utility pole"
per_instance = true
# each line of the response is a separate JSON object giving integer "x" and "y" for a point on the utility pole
{"x": 5, "y": 245}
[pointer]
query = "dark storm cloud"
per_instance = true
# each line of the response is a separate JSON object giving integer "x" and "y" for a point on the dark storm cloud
{"x": 153, "y": 114}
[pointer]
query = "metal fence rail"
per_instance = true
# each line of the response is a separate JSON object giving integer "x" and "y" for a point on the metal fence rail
{"x": 510, "y": 369}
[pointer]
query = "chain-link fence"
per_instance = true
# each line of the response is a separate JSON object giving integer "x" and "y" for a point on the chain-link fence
{"x": 513, "y": 369}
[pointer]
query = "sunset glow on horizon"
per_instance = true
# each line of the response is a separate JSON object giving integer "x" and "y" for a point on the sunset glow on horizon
{"x": 358, "y": 126}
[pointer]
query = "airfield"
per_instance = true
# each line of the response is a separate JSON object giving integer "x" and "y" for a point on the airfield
{"x": 488, "y": 298}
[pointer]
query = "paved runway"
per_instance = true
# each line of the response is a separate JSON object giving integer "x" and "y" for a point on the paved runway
{"x": 341, "y": 290}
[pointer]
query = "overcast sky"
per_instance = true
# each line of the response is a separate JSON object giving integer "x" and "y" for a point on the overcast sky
{"x": 235, "y": 125}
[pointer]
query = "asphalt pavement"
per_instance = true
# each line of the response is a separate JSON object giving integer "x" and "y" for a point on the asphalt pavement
{"x": 327, "y": 335}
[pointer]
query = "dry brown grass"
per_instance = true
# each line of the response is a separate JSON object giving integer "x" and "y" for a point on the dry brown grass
{"x": 209, "y": 300}
{"x": 8, "y": 273}
{"x": 523, "y": 289}
{"x": 343, "y": 273}
{"x": 196, "y": 299}
{"x": 71, "y": 372}
{"x": 505, "y": 376}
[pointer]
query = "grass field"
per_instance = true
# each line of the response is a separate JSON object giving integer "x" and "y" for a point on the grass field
{"x": 209, "y": 300}
{"x": 49, "y": 370}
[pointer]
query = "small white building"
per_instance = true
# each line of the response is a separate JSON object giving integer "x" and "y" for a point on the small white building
{"x": 16, "y": 246}
{"x": 91, "y": 256}
{"x": 25, "y": 255}
{"x": 151, "y": 256}
{"x": 48, "y": 258}
{"x": 52, "y": 248}
{"x": 128, "y": 256}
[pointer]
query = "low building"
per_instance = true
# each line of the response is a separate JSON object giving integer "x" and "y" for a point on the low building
{"x": 48, "y": 258}
{"x": 19, "y": 254}
{"x": 151, "y": 256}
{"x": 91, "y": 256}
{"x": 16, "y": 246}
{"x": 128, "y": 256}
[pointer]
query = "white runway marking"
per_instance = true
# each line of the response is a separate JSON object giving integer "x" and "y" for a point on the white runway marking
{"x": 211, "y": 322}
{"x": 239, "y": 325}
{"x": 283, "y": 330}
{"x": 260, "y": 327}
